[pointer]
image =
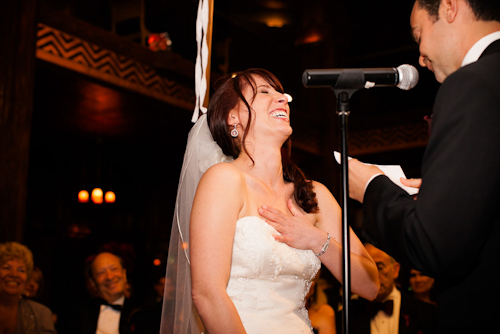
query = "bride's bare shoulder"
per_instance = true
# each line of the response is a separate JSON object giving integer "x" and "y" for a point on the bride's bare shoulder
{"x": 223, "y": 172}
{"x": 222, "y": 183}
{"x": 223, "y": 167}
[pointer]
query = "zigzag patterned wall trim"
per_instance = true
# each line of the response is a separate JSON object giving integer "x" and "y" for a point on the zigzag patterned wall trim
{"x": 398, "y": 137}
{"x": 388, "y": 139}
{"x": 68, "y": 51}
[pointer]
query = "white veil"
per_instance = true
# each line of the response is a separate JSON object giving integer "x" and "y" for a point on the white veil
{"x": 179, "y": 315}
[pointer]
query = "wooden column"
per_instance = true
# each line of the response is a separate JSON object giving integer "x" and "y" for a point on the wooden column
{"x": 17, "y": 71}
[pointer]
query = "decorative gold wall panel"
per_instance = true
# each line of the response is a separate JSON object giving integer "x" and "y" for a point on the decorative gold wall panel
{"x": 70, "y": 52}
{"x": 376, "y": 140}
{"x": 75, "y": 54}
{"x": 383, "y": 139}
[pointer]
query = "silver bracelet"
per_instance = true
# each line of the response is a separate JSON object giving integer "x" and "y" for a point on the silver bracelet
{"x": 325, "y": 246}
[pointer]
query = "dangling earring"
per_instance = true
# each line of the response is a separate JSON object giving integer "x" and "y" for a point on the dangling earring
{"x": 234, "y": 132}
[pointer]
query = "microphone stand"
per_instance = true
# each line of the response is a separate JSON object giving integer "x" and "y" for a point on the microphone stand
{"x": 349, "y": 82}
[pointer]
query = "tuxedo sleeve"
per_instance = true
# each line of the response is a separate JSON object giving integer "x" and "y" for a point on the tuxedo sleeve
{"x": 443, "y": 232}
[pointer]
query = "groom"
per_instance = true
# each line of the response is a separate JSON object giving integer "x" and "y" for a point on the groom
{"x": 452, "y": 231}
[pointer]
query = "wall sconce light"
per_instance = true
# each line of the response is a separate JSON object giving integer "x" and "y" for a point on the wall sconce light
{"x": 83, "y": 196}
{"x": 109, "y": 197}
{"x": 96, "y": 196}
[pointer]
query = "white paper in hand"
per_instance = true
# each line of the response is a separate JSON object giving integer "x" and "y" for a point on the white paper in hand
{"x": 393, "y": 172}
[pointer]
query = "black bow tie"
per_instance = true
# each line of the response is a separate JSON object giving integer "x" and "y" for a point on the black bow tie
{"x": 387, "y": 307}
{"x": 117, "y": 307}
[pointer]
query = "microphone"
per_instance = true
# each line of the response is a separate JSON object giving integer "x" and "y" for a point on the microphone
{"x": 404, "y": 77}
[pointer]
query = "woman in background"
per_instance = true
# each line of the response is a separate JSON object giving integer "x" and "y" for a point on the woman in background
{"x": 422, "y": 286}
{"x": 322, "y": 315}
{"x": 34, "y": 287}
{"x": 19, "y": 315}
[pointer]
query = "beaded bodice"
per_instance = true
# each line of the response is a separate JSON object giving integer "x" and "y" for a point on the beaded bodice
{"x": 269, "y": 280}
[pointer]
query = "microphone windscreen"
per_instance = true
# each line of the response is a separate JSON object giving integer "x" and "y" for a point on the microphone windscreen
{"x": 408, "y": 76}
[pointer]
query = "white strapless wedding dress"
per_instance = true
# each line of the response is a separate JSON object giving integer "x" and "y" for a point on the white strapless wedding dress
{"x": 269, "y": 280}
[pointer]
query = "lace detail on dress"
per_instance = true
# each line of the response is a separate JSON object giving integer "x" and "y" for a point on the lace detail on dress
{"x": 269, "y": 280}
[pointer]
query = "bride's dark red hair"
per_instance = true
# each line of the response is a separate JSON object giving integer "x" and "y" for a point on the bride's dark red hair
{"x": 227, "y": 95}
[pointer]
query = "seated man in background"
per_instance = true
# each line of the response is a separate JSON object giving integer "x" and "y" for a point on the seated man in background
{"x": 110, "y": 313}
{"x": 108, "y": 310}
{"x": 392, "y": 311}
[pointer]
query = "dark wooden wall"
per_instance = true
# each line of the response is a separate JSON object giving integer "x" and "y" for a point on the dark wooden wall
{"x": 17, "y": 68}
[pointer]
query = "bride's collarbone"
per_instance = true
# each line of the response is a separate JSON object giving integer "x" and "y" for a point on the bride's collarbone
{"x": 259, "y": 193}
{"x": 256, "y": 199}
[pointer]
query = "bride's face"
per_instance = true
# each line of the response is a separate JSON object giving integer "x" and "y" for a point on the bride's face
{"x": 270, "y": 110}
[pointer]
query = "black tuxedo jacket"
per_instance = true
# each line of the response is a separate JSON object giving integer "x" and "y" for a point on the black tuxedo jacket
{"x": 415, "y": 317}
{"x": 90, "y": 313}
{"x": 452, "y": 231}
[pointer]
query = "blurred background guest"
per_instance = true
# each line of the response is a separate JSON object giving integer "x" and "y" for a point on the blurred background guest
{"x": 393, "y": 311}
{"x": 108, "y": 309}
{"x": 147, "y": 319}
{"x": 422, "y": 286}
{"x": 321, "y": 314}
{"x": 34, "y": 287}
{"x": 17, "y": 314}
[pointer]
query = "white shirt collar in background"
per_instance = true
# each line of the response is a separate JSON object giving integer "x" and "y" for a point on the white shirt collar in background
{"x": 109, "y": 318}
{"x": 384, "y": 324}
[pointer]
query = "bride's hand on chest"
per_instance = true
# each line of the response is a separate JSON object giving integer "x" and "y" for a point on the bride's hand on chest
{"x": 296, "y": 230}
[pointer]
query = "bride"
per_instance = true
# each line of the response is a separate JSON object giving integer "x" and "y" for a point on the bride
{"x": 259, "y": 230}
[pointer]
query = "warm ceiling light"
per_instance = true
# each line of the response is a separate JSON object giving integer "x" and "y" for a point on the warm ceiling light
{"x": 97, "y": 196}
{"x": 275, "y": 23}
{"x": 273, "y": 4}
{"x": 110, "y": 197}
{"x": 83, "y": 196}
{"x": 156, "y": 262}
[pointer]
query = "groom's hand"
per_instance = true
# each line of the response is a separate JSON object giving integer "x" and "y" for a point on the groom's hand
{"x": 359, "y": 175}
